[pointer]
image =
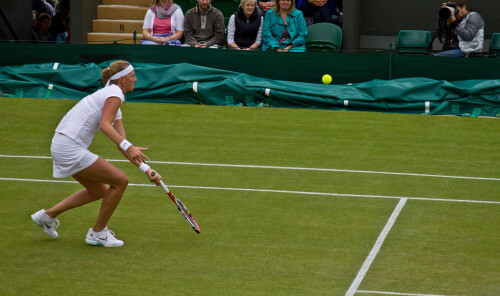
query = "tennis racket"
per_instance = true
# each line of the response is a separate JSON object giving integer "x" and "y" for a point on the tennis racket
{"x": 181, "y": 207}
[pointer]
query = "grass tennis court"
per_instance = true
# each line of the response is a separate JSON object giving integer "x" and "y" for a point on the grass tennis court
{"x": 289, "y": 201}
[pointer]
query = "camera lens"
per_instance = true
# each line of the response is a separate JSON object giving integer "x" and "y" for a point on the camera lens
{"x": 445, "y": 13}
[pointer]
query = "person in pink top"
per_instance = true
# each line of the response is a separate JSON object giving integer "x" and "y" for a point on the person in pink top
{"x": 163, "y": 24}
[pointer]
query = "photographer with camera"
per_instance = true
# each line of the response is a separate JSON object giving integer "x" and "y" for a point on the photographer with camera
{"x": 464, "y": 30}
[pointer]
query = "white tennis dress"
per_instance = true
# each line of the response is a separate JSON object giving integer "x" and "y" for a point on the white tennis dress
{"x": 76, "y": 130}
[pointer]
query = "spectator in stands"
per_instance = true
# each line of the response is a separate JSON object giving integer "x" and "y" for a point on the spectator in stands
{"x": 321, "y": 11}
{"x": 34, "y": 36}
{"x": 42, "y": 29}
{"x": 466, "y": 30}
{"x": 64, "y": 37}
{"x": 244, "y": 30}
{"x": 284, "y": 28}
{"x": 163, "y": 24}
{"x": 204, "y": 26}
{"x": 54, "y": 4}
{"x": 41, "y": 6}
{"x": 264, "y": 5}
{"x": 61, "y": 19}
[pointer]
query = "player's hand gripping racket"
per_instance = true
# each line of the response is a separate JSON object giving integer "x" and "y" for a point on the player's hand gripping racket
{"x": 180, "y": 206}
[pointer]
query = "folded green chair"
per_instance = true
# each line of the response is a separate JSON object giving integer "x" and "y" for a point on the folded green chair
{"x": 323, "y": 37}
{"x": 414, "y": 41}
{"x": 495, "y": 45}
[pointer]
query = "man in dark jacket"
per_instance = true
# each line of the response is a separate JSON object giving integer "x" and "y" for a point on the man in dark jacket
{"x": 204, "y": 26}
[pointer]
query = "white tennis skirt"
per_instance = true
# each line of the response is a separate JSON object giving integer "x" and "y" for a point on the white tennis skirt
{"x": 69, "y": 157}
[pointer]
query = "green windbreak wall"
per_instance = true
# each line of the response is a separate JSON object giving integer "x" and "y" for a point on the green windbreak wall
{"x": 190, "y": 84}
{"x": 345, "y": 67}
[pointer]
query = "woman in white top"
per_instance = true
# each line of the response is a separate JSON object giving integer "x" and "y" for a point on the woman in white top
{"x": 163, "y": 24}
{"x": 71, "y": 157}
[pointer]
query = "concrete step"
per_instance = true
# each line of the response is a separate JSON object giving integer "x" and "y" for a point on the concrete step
{"x": 117, "y": 26}
{"x": 120, "y": 12}
{"x": 128, "y": 2}
{"x": 122, "y": 38}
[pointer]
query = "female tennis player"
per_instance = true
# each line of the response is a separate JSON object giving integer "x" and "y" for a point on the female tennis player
{"x": 71, "y": 157}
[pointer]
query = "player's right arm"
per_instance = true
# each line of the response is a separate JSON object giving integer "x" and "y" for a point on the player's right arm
{"x": 109, "y": 111}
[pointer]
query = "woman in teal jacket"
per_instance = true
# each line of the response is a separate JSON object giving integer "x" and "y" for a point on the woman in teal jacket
{"x": 284, "y": 28}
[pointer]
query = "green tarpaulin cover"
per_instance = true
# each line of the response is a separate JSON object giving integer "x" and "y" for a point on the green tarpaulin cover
{"x": 190, "y": 84}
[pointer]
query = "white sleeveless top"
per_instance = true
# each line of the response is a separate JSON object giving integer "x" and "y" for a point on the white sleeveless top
{"x": 83, "y": 120}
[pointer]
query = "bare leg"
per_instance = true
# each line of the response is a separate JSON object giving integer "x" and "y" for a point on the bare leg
{"x": 77, "y": 199}
{"x": 94, "y": 179}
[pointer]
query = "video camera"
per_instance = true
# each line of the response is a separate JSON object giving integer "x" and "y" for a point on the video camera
{"x": 448, "y": 11}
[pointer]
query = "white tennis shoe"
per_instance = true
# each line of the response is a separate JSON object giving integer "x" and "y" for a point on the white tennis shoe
{"x": 104, "y": 238}
{"x": 48, "y": 224}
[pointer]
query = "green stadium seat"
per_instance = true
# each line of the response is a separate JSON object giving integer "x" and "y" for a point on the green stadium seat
{"x": 323, "y": 37}
{"x": 495, "y": 45}
{"x": 414, "y": 41}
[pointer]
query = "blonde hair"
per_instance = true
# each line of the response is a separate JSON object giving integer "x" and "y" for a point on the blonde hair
{"x": 277, "y": 6}
{"x": 114, "y": 68}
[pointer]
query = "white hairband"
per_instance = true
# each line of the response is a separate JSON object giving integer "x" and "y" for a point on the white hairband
{"x": 120, "y": 74}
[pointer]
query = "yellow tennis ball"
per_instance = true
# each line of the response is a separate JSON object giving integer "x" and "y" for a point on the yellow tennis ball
{"x": 327, "y": 79}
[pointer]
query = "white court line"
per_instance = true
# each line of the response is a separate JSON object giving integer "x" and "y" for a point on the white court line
{"x": 395, "y": 293}
{"x": 280, "y": 168}
{"x": 277, "y": 191}
{"x": 378, "y": 244}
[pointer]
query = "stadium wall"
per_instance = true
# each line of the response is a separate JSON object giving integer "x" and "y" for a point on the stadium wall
{"x": 345, "y": 67}
{"x": 15, "y": 20}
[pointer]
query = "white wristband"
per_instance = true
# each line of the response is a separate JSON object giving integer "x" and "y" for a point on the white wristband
{"x": 125, "y": 144}
{"x": 144, "y": 167}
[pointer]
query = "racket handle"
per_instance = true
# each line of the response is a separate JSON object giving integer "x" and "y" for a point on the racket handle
{"x": 161, "y": 183}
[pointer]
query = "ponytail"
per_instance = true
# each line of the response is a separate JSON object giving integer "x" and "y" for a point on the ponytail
{"x": 114, "y": 68}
